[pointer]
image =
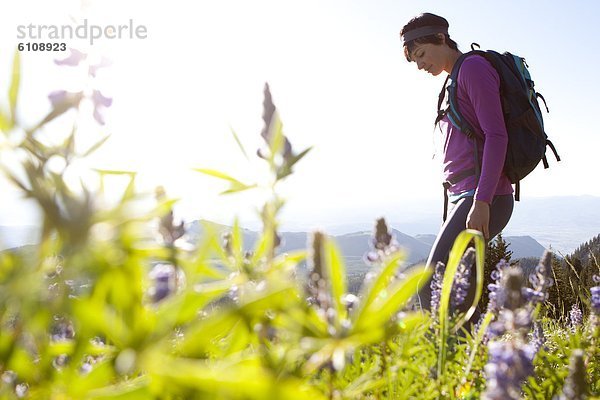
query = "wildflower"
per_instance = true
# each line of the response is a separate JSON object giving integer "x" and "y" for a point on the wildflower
{"x": 382, "y": 238}
{"x": 509, "y": 364}
{"x": 227, "y": 247}
{"x": 495, "y": 294}
{"x": 93, "y": 69}
{"x": 595, "y": 307}
{"x": 595, "y": 298}
{"x": 62, "y": 329}
{"x": 164, "y": 278}
{"x": 512, "y": 296}
{"x": 167, "y": 228}
{"x": 513, "y": 316}
{"x": 460, "y": 284}
{"x": 73, "y": 59}
{"x": 100, "y": 101}
{"x": 350, "y": 301}
{"x": 76, "y": 57}
{"x": 62, "y": 100}
{"x": 510, "y": 361}
{"x": 383, "y": 243}
{"x": 269, "y": 117}
{"x": 436, "y": 288}
{"x": 575, "y": 385}
{"x": 538, "y": 338}
{"x": 317, "y": 284}
{"x": 576, "y": 317}
{"x": 540, "y": 280}
{"x": 460, "y": 287}
{"x": 21, "y": 390}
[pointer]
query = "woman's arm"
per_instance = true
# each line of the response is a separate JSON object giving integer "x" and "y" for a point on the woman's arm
{"x": 481, "y": 83}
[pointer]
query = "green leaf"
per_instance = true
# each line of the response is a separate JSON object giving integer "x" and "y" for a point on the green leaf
{"x": 224, "y": 379}
{"x": 336, "y": 272}
{"x": 239, "y": 143}
{"x": 289, "y": 261}
{"x": 478, "y": 338}
{"x": 263, "y": 246}
{"x": 235, "y": 185}
{"x": 382, "y": 280}
{"x": 68, "y": 146}
{"x": 287, "y": 167}
{"x": 459, "y": 247}
{"x": 217, "y": 174}
{"x": 129, "y": 192}
{"x": 96, "y": 146}
{"x": 134, "y": 389}
{"x": 277, "y": 139}
{"x": 306, "y": 321}
{"x": 180, "y": 310}
{"x": 15, "y": 83}
{"x": 237, "y": 243}
{"x": 391, "y": 300}
{"x": 5, "y": 125}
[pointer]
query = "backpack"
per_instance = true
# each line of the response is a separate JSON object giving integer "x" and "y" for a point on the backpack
{"x": 527, "y": 140}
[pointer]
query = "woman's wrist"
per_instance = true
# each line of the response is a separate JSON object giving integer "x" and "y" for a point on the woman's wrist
{"x": 481, "y": 203}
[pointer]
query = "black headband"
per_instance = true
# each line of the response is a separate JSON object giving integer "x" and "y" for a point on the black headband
{"x": 423, "y": 31}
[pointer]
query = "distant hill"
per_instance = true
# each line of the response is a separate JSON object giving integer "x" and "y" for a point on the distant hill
{"x": 588, "y": 251}
{"x": 524, "y": 246}
{"x": 354, "y": 245}
{"x": 562, "y": 222}
{"x": 16, "y": 236}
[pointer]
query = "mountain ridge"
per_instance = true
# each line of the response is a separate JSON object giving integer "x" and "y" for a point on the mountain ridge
{"x": 354, "y": 245}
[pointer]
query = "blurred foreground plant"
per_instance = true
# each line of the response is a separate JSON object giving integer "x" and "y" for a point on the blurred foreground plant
{"x": 116, "y": 302}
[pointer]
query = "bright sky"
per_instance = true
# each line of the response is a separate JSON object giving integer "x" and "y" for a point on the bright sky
{"x": 339, "y": 78}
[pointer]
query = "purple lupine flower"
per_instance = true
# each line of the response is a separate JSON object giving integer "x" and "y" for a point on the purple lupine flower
{"x": 510, "y": 361}
{"x": 72, "y": 59}
{"x": 62, "y": 98}
{"x": 436, "y": 288}
{"x": 575, "y": 387}
{"x": 538, "y": 337}
{"x": 317, "y": 284}
{"x": 164, "y": 279}
{"x": 382, "y": 238}
{"x": 576, "y": 317}
{"x": 540, "y": 280}
{"x": 167, "y": 228}
{"x": 21, "y": 390}
{"x": 595, "y": 306}
{"x": 62, "y": 329}
{"x": 383, "y": 243}
{"x": 518, "y": 321}
{"x": 513, "y": 316}
{"x": 595, "y": 298}
{"x": 512, "y": 296}
{"x": 495, "y": 291}
{"x": 269, "y": 115}
{"x": 100, "y": 101}
{"x": 461, "y": 284}
{"x": 93, "y": 69}
{"x": 350, "y": 301}
{"x": 507, "y": 368}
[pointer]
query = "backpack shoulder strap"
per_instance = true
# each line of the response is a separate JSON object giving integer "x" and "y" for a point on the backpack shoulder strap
{"x": 451, "y": 109}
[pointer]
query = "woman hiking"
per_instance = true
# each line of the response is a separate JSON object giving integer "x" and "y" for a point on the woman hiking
{"x": 482, "y": 201}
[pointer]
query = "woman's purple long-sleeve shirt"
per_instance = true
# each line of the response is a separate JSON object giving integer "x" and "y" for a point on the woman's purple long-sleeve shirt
{"x": 479, "y": 103}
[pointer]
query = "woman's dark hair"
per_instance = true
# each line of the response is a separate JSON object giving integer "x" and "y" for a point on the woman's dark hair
{"x": 421, "y": 20}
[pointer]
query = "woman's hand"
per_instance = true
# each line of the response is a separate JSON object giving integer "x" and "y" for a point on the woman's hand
{"x": 479, "y": 218}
